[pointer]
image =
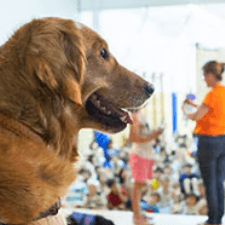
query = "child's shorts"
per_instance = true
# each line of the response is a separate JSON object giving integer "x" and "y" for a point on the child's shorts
{"x": 141, "y": 168}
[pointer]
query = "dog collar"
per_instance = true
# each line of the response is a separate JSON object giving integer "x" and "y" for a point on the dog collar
{"x": 18, "y": 128}
{"x": 50, "y": 212}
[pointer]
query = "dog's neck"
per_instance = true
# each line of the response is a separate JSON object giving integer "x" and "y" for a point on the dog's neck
{"x": 66, "y": 145}
{"x": 59, "y": 132}
{"x": 62, "y": 132}
{"x": 18, "y": 128}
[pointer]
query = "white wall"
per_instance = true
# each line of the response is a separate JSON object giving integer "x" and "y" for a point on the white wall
{"x": 158, "y": 39}
{"x": 14, "y": 13}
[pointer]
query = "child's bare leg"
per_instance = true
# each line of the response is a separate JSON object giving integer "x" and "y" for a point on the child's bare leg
{"x": 136, "y": 197}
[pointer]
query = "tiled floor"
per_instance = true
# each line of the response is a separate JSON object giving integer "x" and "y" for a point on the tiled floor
{"x": 125, "y": 218}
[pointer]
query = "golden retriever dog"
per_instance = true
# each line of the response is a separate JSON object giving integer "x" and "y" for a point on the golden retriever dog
{"x": 56, "y": 77}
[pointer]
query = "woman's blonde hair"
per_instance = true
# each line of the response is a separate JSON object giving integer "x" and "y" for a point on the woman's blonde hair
{"x": 214, "y": 68}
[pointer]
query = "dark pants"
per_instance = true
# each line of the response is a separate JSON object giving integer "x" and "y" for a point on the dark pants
{"x": 211, "y": 158}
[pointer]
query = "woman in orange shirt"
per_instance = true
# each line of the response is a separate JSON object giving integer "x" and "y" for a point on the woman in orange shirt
{"x": 210, "y": 131}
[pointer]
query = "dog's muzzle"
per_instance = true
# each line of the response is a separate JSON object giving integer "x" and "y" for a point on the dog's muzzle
{"x": 149, "y": 89}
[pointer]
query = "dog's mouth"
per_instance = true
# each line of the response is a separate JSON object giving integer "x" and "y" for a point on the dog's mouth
{"x": 107, "y": 113}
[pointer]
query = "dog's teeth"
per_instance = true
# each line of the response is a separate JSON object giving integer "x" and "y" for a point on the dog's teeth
{"x": 103, "y": 108}
{"x": 98, "y": 103}
{"x": 94, "y": 97}
{"x": 123, "y": 118}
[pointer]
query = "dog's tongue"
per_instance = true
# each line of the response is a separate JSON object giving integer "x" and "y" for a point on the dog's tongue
{"x": 129, "y": 120}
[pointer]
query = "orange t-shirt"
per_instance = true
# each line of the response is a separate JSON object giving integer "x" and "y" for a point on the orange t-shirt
{"x": 213, "y": 123}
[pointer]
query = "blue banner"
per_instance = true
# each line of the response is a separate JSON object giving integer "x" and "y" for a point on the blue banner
{"x": 174, "y": 112}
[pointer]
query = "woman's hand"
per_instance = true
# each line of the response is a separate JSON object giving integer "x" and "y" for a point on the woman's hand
{"x": 183, "y": 107}
{"x": 189, "y": 102}
{"x": 202, "y": 110}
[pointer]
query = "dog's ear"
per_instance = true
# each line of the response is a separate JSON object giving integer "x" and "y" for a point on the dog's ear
{"x": 56, "y": 56}
{"x": 74, "y": 52}
{"x": 72, "y": 89}
{"x": 45, "y": 73}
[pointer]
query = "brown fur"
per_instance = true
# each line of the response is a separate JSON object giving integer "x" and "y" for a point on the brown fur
{"x": 48, "y": 70}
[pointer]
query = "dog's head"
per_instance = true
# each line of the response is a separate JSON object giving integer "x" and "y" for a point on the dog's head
{"x": 109, "y": 90}
{"x": 63, "y": 63}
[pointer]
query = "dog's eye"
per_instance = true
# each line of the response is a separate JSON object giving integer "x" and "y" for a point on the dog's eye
{"x": 104, "y": 54}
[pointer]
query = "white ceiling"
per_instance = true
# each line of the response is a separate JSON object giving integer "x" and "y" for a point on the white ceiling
{"x": 84, "y": 5}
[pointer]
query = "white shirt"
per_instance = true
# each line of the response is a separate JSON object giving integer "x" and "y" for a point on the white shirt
{"x": 144, "y": 150}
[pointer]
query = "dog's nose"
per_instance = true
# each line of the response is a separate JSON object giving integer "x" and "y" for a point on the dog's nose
{"x": 149, "y": 89}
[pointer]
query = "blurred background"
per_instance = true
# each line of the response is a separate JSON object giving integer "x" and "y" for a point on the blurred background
{"x": 166, "y": 42}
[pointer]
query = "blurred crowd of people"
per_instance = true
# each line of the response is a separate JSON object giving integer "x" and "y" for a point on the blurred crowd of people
{"x": 176, "y": 186}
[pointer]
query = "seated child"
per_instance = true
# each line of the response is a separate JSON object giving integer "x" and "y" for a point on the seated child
{"x": 191, "y": 204}
{"x": 202, "y": 203}
{"x": 177, "y": 207}
{"x": 116, "y": 200}
{"x": 94, "y": 199}
{"x": 189, "y": 181}
{"x": 150, "y": 204}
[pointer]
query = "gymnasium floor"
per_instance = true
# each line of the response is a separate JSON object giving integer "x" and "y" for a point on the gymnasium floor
{"x": 125, "y": 218}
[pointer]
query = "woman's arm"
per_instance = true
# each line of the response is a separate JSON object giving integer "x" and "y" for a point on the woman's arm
{"x": 189, "y": 102}
{"x": 202, "y": 110}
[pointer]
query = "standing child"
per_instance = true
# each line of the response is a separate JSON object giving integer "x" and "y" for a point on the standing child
{"x": 141, "y": 161}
